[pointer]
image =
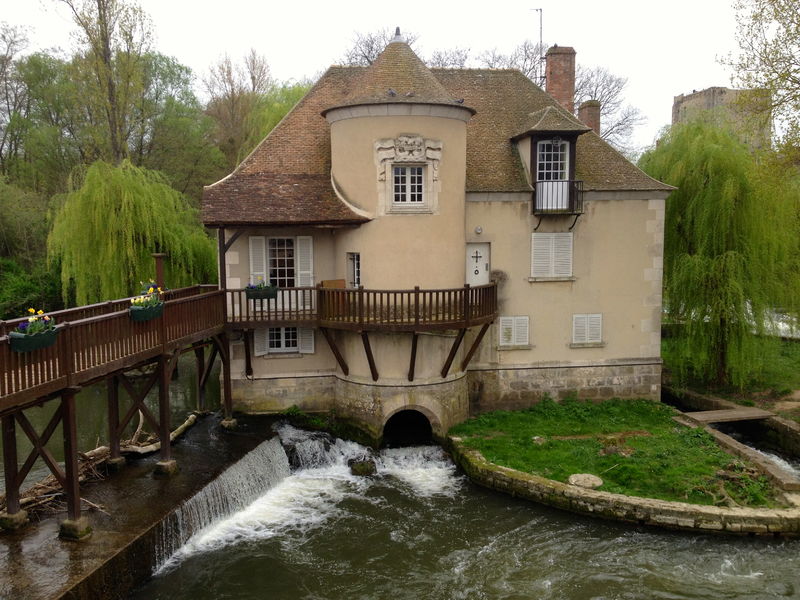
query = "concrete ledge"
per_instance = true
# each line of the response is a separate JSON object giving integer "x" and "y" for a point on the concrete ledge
{"x": 618, "y": 507}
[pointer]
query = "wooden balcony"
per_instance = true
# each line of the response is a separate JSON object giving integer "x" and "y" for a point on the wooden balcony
{"x": 359, "y": 309}
{"x": 558, "y": 197}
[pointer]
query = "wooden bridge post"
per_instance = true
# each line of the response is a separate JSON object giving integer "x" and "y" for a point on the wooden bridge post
{"x": 13, "y": 517}
{"x": 228, "y": 422}
{"x": 74, "y": 527}
{"x": 115, "y": 461}
{"x": 200, "y": 360}
{"x": 159, "y": 258}
{"x": 166, "y": 467}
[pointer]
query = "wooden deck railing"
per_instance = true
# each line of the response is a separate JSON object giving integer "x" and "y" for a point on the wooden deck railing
{"x": 361, "y": 309}
{"x": 99, "y": 339}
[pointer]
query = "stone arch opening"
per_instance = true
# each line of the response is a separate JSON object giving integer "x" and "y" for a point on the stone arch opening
{"x": 407, "y": 427}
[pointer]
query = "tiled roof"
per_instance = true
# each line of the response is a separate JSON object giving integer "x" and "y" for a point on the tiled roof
{"x": 552, "y": 118}
{"x": 286, "y": 179}
{"x": 397, "y": 76}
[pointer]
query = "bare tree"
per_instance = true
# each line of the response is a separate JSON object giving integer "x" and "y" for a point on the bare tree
{"x": 617, "y": 119}
{"x": 234, "y": 92}
{"x": 528, "y": 58}
{"x": 455, "y": 58}
{"x": 367, "y": 46}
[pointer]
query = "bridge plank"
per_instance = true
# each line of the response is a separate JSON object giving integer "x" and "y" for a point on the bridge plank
{"x": 745, "y": 413}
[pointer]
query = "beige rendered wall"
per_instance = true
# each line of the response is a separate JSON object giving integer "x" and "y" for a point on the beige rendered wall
{"x": 399, "y": 251}
{"x": 617, "y": 267}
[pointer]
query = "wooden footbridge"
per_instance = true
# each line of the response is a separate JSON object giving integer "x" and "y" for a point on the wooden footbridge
{"x": 102, "y": 343}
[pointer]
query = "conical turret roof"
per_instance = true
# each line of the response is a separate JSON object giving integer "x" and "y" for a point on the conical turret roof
{"x": 398, "y": 76}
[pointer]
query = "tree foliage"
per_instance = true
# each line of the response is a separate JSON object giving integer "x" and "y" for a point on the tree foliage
{"x": 730, "y": 255}
{"x": 769, "y": 42}
{"x": 105, "y": 232}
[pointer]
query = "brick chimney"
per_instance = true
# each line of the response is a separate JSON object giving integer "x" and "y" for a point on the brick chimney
{"x": 589, "y": 114}
{"x": 560, "y": 74}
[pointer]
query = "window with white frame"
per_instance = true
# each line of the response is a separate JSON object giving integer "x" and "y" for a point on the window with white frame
{"x": 283, "y": 340}
{"x": 551, "y": 256}
{"x": 353, "y": 269}
{"x": 408, "y": 184}
{"x": 283, "y": 261}
{"x": 552, "y": 160}
{"x": 513, "y": 332}
{"x": 587, "y": 329}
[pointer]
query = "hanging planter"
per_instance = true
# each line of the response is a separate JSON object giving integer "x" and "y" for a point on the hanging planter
{"x": 261, "y": 292}
{"x": 28, "y": 342}
{"x": 39, "y": 331}
{"x": 141, "y": 313}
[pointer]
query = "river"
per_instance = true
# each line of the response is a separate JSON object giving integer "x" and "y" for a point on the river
{"x": 419, "y": 530}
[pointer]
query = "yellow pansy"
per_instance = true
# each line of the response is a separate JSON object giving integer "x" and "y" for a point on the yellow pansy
{"x": 31, "y": 310}
{"x": 40, "y": 312}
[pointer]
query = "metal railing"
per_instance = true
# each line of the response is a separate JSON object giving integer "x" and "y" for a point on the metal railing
{"x": 563, "y": 197}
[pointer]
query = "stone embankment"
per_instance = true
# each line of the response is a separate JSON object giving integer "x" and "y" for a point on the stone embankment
{"x": 631, "y": 509}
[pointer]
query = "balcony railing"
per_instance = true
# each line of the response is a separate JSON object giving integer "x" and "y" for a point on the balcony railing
{"x": 360, "y": 309}
{"x": 563, "y": 197}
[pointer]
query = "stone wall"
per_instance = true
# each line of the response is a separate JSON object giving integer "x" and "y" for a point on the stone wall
{"x": 642, "y": 511}
{"x": 514, "y": 388}
{"x": 444, "y": 404}
{"x": 269, "y": 395}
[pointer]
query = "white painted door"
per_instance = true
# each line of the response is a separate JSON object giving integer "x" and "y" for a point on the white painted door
{"x": 478, "y": 263}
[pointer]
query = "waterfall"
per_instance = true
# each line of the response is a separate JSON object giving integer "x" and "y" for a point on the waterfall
{"x": 257, "y": 471}
{"x": 309, "y": 497}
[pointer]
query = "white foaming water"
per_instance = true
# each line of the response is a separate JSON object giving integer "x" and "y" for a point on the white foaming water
{"x": 310, "y": 496}
{"x": 793, "y": 467}
{"x": 235, "y": 488}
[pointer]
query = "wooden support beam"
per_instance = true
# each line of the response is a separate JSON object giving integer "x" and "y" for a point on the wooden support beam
{"x": 370, "y": 358}
{"x": 335, "y": 349}
{"x": 10, "y": 465}
{"x": 138, "y": 401}
{"x": 113, "y": 416}
{"x": 200, "y": 367}
{"x": 413, "y": 362}
{"x": 248, "y": 361}
{"x": 453, "y": 350}
{"x": 70, "y": 430}
{"x": 221, "y": 250}
{"x": 166, "y": 364}
{"x": 234, "y": 237}
{"x": 40, "y": 447}
{"x": 221, "y": 342}
{"x": 474, "y": 346}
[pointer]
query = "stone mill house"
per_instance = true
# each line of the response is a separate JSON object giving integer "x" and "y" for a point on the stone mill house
{"x": 445, "y": 241}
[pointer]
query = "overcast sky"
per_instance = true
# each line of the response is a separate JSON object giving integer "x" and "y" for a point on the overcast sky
{"x": 662, "y": 48}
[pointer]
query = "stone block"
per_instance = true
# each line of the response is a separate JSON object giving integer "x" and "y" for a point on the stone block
{"x": 166, "y": 469}
{"x": 114, "y": 465}
{"x": 14, "y": 521}
{"x": 75, "y": 531}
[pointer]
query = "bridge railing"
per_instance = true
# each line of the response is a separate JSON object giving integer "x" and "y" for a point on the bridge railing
{"x": 91, "y": 346}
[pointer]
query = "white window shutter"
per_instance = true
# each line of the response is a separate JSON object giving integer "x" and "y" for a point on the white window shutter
{"x": 258, "y": 258}
{"x": 562, "y": 254}
{"x": 579, "y": 329}
{"x": 305, "y": 261}
{"x": 520, "y": 331}
{"x": 541, "y": 255}
{"x": 305, "y": 340}
{"x": 594, "y": 328}
{"x": 260, "y": 342}
{"x": 506, "y": 331}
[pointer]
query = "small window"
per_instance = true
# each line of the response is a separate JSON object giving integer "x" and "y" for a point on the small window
{"x": 283, "y": 340}
{"x": 513, "y": 332}
{"x": 587, "y": 329}
{"x": 552, "y": 160}
{"x": 353, "y": 269}
{"x": 281, "y": 262}
{"x": 408, "y": 184}
{"x": 551, "y": 255}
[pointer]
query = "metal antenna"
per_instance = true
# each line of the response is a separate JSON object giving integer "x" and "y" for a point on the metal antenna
{"x": 541, "y": 48}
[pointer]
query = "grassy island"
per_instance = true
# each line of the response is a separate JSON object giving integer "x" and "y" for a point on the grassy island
{"x": 634, "y": 446}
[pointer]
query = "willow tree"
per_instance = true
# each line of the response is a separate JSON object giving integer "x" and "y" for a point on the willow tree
{"x": 105, "y": 232}
{"x": 730, "y": 250}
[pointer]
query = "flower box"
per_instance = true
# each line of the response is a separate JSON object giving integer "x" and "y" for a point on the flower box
{"x": 270, "y": 292}
{"x": 146, "y": 313}
{"x": 28, "y": 342}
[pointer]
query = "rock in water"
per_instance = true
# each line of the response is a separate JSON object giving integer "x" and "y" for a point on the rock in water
{"x": 362, "y": 468}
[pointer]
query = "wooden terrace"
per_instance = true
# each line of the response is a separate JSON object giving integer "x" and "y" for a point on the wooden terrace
{"x": 100, "y": 342}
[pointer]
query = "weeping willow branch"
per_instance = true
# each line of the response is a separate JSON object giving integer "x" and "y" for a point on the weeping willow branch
{"x": 105, "y": 232}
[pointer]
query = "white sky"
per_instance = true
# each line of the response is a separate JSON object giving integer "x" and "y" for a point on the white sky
{"x": 662, "y": 48}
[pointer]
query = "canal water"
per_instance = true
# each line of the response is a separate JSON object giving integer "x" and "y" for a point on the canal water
{"x": 419, "y": 530}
